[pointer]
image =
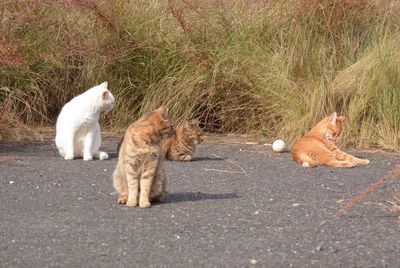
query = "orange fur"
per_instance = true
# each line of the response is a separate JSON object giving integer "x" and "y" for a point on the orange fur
{"x": 182, "y": 145}
{"x": 317, "y": 147}
{"x": 139, "y": 175}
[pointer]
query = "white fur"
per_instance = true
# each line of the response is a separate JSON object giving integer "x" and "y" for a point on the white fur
{"x": 306, "y": 164}
{"x": 78, "y": 129}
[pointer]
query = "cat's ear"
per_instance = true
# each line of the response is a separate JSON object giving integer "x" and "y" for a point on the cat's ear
{"x": 341, "y": 118}
{"x": 161, "y": 109}
{"x": 195, "y": 122}
{"x": 105, "y": 94}
{"x": 333, "y": 118}
{"x": 186, "y": 125}
{"x": 164, "y": 112}
{"x": 104, "y": 84}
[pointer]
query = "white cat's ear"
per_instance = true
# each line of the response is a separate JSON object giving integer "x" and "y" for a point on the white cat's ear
{"x": 104, "y": 84}
{"x": 333, "y": 118}
{"x": 105, "y": 94}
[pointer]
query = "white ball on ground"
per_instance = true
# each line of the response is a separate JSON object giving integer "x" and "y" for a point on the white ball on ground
{"x": 278, "y": 146}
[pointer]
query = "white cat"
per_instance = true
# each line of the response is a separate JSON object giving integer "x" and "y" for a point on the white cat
{"x": 78, "y": 129}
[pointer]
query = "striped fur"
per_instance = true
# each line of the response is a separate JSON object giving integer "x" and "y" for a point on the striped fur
{"x": 317, "y": 147}
{"x": 182, "y": 145}
{"x": 139, "y": 175}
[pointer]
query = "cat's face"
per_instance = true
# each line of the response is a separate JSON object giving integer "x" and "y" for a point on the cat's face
{"x": 333, "y": 126}
{"x": 105, "y": 98}
{"x": 193, "y": 131}
{"x": 164, "y": 124}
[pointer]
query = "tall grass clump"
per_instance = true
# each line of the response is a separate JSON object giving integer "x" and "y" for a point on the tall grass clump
{"x": 239, "y": 66}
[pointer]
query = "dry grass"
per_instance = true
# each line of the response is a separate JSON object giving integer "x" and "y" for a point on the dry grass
{"x": 239, "y": 66}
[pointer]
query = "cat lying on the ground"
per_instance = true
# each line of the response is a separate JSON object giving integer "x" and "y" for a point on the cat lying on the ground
{"x": 317, "y": 147}
{"x": 182, "y": 145}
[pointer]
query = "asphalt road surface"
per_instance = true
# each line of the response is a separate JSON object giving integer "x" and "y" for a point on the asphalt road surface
{"x": 236, "y": 205}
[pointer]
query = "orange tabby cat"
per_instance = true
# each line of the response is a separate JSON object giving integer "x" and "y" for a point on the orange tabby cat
{"x": 140, "y": 168}
{"x": 182, "y": 145}
{"x": 317, "y": 147}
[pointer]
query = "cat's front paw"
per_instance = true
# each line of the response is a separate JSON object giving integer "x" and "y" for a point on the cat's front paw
{"x": 87, "y": 157}
{"x": 103, "y": 156}
{"x": 131, "y": 203}
{"x": 186, "y": 158}
{"x": 144, "y": 204}
{"x": 69, "y": 157}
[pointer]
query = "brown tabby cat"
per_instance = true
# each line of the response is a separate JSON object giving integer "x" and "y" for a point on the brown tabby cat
{"x": 317, "y": 147}
{"x": 182, "y": 145}
{"x": 140, "y": 162}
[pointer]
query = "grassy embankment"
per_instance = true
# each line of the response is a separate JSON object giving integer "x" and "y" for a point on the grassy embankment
{"x": 275, "y": 67}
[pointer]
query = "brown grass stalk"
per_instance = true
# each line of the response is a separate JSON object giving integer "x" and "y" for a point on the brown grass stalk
{"x": 177, "y": 13}
{"x": 392, "y": 174}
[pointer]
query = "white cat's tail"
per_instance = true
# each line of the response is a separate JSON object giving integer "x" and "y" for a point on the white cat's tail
{"x": 61, "y": 151}
{"x": 120, "y": 184}
{"x": 59, "y": 147}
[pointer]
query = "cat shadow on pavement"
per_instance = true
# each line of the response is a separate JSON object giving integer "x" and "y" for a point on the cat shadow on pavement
{"x": 196, "y": 196}
{"x": 113, "y": 155}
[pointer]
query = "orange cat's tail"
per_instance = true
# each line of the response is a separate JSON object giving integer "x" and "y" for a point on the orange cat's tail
{"x": 119, "y": 182}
